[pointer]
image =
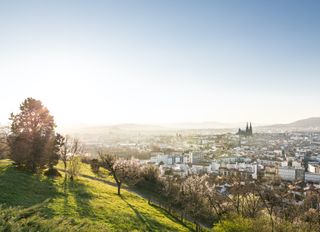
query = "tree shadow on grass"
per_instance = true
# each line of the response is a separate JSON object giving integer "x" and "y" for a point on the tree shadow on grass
{"x": 139, "y": 216}
{"x": 150, "y": 224}
{"x": 81, "y": 196}
{"x": 22, "y": 188}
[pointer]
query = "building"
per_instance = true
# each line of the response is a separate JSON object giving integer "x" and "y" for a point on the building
{"x": 160, "y": 158}
{"x": 244, "y": 170}
{"x": 214, "y": 167}
{"x": 247, "y": 132}
{"x": 314, "y": 168}
{"x": 232, "y": 172}
{"x": 197, "y": 157}
{"x": 312, "y": 177}
{"x": 268, "y": 172}
{"x": 291, "y": 173}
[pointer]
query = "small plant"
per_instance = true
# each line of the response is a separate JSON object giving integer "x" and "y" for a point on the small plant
{"x": 74, "y": 167}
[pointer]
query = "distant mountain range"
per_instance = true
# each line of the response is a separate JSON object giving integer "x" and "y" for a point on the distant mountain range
{"x": 162, "y": 127}
{"x": 309, "y": 123}
{"x": 206, "y": 125}
{"x": 305, "y": 124}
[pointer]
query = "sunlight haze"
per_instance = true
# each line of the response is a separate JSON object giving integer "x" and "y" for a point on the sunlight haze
{"x": 162, "y": 62}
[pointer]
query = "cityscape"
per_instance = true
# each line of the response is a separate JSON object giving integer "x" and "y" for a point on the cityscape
{"x": 159, "y": 116}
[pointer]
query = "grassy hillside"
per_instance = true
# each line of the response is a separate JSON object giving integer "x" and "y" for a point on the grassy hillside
{"x": 92, "y": 204}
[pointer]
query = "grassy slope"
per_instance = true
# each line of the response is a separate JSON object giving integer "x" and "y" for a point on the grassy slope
{"x": 85, "y": 201}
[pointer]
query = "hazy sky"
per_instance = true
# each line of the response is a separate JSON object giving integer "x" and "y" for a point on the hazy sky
{"x": 162, "y": 61}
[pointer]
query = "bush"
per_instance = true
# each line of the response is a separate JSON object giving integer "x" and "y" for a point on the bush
{"x": 74, "y": 167}
{"x": 237, "y": 224}
{"x": 95, "y": 166}
{"x": 52, "y": 172}
{"x": 260, "y": 224}
{"x": 150, "y": 178}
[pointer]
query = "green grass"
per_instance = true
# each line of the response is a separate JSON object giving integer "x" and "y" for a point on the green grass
{"x": 86, "y": 202}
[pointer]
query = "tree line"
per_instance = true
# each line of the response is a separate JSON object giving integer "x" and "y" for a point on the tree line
{"x": 207, "y": 199}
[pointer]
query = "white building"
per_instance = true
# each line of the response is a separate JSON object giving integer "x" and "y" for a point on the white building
{"x": 170, "y": 159}
{"x": 314, "y": 168}
{"x": 296, "y": 164}
{"x": 177, "y": 159}
{"x": 291, "y": 173}
{"x": 198, "y": 169}
{"x": 161, "y": 158}
{"x": 312, "y": 177}
{"x": 253, "y": 168}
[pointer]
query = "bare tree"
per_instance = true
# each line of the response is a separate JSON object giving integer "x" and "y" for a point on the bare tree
{"x": 74, "y": 167}
{"x": 64, "y": 150}
{"x": 250, "y": 201}
{"x": 311, "y": 208}
{"x": 270, "y": 200}
{"x": 128, "y": 171}
{"x": 216, "y": 200}
{"x": 122, "y": 170}
{"x": 74, "y": 150}
{"x": 170, "y": 190}
{"x": 191, "y": 191}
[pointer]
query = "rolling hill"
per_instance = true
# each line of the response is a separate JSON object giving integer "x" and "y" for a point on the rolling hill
{"x": 86, "y": 204}
{"x": 304, "y": 124}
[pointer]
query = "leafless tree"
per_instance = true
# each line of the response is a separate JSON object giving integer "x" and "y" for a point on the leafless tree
{"x": 191, "y": 191}
{"x": 270, "y": 200}
{"x": 217, "y": 201}
{"x": 72, "y": 151}
{"x": 250, "y": 201}
{"x": 311, "y": 208}
{"x": 123, "y": 171}
{"x": 64, "y": 150}
{"x": 74, "y": 167}
{"x": 170, "y": 190}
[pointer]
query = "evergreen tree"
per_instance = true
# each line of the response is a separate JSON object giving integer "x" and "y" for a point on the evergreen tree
{"x": 32, "y": 136}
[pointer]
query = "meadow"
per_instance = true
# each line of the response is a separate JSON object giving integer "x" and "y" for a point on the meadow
{"x": 38, "y": 203}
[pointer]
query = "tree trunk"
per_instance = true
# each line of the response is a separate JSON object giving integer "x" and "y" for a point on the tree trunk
{"x": 119, "y": 188}
{"x": 197, "y": 227}
{"x": 272, "y": 223}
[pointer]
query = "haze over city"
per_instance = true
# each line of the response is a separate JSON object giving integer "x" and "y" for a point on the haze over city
{"x": 113, "y": 62}
{"x": 160, "y": 116}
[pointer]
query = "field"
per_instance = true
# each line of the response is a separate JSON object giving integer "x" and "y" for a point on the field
{"x": 90, "y": 204}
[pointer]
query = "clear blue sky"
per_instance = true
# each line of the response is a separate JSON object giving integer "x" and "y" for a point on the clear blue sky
{"x": 162, "y": 61}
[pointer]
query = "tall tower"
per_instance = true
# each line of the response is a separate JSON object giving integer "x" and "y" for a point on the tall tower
{"x": 250, "y": 129}
{"x": 247, "y": 129}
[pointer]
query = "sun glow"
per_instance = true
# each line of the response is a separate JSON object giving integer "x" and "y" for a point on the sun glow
{"x": 91, "y": 66}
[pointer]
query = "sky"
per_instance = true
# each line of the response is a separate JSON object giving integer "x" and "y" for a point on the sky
{"x": 108, "y": 62}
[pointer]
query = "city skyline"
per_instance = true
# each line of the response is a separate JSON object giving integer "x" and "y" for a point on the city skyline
{"x": 111, "y": 62}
